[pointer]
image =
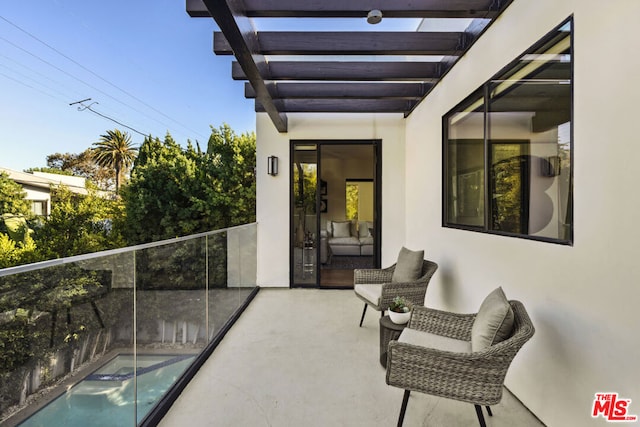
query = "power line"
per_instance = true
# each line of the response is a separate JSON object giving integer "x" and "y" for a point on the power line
{"x": 29, "y": 69}
{"x": 63, "y": 100}
{"x": 88, "y": 107}
{"x": 64, "y": 96}
{"x": 29, "y": 86}
{"x": 33, "y": 80}
{"x": 76, "y": 78}
{"x": 96, "y": 75}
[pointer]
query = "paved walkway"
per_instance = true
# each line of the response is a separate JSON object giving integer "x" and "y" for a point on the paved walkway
{"x": 298, "y": 358}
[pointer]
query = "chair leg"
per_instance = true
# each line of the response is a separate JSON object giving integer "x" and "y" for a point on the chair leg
{"x": 489, "y": 411}
{"x": 480, "y": 416}
{"x": 403, "y": 409}
{"x": 363, "y": 313}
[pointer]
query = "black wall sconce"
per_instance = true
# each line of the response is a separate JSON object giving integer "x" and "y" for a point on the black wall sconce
{"x": 272, "y": 165}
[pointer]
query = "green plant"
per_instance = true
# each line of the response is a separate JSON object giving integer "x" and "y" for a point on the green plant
{"x": 400, "y": 305}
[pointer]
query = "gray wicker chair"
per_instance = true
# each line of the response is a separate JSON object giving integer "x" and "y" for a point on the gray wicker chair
{"x": 474, "y": 377}
{"x": 374, "y": 287}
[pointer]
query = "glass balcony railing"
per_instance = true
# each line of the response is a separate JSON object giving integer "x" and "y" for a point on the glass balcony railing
{"x": 113, "y": 333}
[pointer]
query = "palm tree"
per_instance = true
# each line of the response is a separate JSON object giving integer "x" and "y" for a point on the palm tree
{"x": 115, "y": 150}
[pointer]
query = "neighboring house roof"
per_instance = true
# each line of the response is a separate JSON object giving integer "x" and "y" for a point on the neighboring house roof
{"x": 44, "y": 180}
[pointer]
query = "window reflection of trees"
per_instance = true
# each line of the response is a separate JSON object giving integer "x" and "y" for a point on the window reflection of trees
{"x": 509, "y": 173}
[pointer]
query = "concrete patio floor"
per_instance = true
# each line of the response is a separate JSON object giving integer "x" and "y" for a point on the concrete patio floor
{"x": 298, "y": 358}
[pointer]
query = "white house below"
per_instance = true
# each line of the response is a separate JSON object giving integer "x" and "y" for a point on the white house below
{"x": 38, "y": 185}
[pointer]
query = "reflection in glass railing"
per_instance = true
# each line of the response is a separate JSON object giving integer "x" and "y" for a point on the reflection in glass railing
{"x": 61, "y": 320}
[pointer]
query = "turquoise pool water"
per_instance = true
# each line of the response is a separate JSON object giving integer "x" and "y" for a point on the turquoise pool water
{"x": 106, "y": 397}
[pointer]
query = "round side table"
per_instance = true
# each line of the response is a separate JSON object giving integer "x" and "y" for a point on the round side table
{"x": 388, "y": 331}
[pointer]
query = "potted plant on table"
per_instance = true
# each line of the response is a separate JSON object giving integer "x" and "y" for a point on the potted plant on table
{"x": 399, "y": 310}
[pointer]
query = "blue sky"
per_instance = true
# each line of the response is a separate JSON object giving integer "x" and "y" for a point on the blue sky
{"x": 146, "y": 63}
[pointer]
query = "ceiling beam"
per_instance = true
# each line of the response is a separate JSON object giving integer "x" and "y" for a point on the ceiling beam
{"x": 351, "y": 43}
{"x": 345, "y": 71}
{"x": 359, "y": 8}
{"x": 343, "y": 90}
{"x": 241, "y": 35}
{"x": 341, "y": 105}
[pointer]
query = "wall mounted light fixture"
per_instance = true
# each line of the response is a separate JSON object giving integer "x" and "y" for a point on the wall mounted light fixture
{"x": 272, "y": 165}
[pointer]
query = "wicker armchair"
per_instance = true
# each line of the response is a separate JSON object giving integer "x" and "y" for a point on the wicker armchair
{"x": 474, "y": 377}
{"x": 374, "y": 287}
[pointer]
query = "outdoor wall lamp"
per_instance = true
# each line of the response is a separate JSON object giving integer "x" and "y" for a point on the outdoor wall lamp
{"x": 272, "y": 165}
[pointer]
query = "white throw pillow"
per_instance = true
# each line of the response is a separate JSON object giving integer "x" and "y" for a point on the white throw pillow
{"x": 341, "y": 229}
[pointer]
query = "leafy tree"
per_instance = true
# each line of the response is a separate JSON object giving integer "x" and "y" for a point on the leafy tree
{"x": 304, "y": 186}
{"x": 115, "y": 150}
{"x": 352, "y": 201}
{"x": 227, "y": 179}
{"x": 51, "y": 170}
{"x": 16, "y": 244}
{"x": 78, "y": 224}
{"x": 16, "y": 253}
{"x": 12, "y": 197}
{"x": 157, "y": 198}
{"x": 81, "y": 164}
{"x": 175, "y": 191}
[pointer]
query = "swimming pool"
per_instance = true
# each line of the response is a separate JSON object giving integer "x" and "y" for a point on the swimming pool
{"x": 106, "y": 397}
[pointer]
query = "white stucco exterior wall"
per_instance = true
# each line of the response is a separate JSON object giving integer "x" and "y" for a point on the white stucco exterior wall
{"x": 582, "y": 299}
{"x": 273, "y": 192}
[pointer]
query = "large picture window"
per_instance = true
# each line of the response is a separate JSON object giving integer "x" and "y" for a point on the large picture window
{"x": 508, "y": 148}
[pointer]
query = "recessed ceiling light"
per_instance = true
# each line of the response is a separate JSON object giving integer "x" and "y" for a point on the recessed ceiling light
{"x": 374, "y": 16}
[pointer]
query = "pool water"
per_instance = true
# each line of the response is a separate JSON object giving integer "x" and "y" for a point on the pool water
{"x": 106, "y": 397}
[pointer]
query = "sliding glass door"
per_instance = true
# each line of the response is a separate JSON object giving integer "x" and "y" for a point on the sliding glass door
{"x": 335, "y": 211}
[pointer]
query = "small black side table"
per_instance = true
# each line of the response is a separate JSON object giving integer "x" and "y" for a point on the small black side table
{"x": 388, "y": 331}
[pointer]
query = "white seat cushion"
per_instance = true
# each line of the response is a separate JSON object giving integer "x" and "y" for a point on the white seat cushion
{"x": 339, "y": 241}
{"x": 438, "y": 342}
{"x": 371, "y": 293}
{"x": 366, "y": 240}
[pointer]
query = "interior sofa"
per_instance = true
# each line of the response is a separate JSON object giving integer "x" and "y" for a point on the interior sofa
{"x": 346, "y": 238}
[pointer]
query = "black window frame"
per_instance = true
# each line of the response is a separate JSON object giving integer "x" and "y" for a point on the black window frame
{"x": 483, "y": 93}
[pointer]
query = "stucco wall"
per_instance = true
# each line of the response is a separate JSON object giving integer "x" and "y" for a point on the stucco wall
{"x": 582, "y": 299}
{"x": 273, "y": 192}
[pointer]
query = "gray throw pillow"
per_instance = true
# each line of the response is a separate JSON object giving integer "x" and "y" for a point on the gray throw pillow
{"x": 409, "y": 266}
{"x": 494, "y": 321}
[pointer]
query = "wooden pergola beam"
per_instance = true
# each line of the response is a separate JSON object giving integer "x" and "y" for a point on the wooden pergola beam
{"x": 320, "y": 77}
{"x": 410, "y": 91}
{"x": 359, "y": 8}
{"x": 241, "y": 35}
{"x": 345, "y": 71}
{"x": 351, "y": 43}
{"x": 314, "y": 105}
